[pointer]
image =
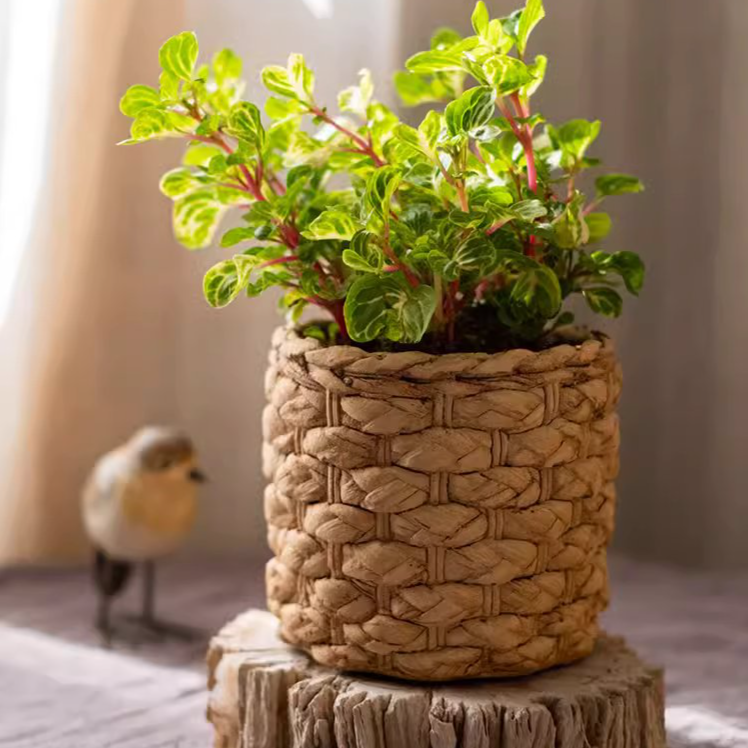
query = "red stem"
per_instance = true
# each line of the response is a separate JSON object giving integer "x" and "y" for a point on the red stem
{"x": 523, "y": 110}
{"x": 524, "y": 135}
{"x": 279, "y": 261}
{"x": 357, "y": 139}
{"x": 499, "y": 225}
{"x": 335, "y": 309}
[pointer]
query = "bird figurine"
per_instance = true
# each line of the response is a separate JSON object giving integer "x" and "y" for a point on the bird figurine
{"x": 139, "y": 505}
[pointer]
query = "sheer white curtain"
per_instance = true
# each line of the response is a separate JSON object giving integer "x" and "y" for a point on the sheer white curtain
{"x": 86, "y": 349}
{"x": 107, "y": 328}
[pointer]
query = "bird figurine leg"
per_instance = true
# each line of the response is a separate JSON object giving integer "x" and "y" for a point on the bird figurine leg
{"x": 149, "y": 593}
{"x": 110, "y": 577}
{"x": 148, "y": 618}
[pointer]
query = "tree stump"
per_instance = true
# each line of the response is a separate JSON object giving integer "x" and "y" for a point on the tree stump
{"x": 265, "y": 694}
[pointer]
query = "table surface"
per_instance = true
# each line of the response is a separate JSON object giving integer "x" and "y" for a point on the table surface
{"x": 59, "y": 688}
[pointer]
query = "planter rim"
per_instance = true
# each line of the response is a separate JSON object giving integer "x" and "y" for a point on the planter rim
{"x": 419, "y": 365}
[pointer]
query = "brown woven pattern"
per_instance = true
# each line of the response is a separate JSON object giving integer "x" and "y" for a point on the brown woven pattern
{"x": 440, "y": 517}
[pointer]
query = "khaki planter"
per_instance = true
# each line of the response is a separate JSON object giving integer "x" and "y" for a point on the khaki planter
{"x": 440, "y": 517}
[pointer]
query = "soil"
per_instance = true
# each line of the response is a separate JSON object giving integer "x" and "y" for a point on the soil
{"x": 476, "y": 333}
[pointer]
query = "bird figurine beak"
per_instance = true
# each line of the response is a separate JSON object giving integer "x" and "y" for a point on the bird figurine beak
{"x": 198, "y": 476}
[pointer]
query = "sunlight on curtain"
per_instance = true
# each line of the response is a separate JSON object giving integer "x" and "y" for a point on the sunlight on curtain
{"x": 320, "y": 8}
{"x": 29, "y": 39}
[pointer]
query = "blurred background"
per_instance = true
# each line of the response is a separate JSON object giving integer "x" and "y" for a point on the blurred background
{"x": 102, "y": 322}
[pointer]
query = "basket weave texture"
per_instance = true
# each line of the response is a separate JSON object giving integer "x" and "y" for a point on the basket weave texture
{"x": 440, "y": 517}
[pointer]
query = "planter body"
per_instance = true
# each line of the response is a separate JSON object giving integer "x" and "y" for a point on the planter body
{"x": 440, "y": 517}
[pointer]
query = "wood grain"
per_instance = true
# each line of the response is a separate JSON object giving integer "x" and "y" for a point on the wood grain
{"x": 264, "y": 694}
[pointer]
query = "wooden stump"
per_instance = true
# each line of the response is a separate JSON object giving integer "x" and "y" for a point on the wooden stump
{"x": 265, "y": 694}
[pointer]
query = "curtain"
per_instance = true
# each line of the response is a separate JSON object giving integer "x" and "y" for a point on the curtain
{"x": 88, "y": 348}
{"x": 107, "y": 329}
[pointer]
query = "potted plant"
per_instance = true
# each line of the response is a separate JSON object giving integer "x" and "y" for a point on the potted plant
{"x": 441, "y": 445}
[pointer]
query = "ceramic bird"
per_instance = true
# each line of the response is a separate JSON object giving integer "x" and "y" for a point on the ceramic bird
{"x": 139, "y": 505}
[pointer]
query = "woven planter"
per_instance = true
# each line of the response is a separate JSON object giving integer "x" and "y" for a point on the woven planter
{"x": 440, "y": 517}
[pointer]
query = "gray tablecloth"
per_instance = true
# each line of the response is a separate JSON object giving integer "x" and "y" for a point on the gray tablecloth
{"x": 60, "y": 689}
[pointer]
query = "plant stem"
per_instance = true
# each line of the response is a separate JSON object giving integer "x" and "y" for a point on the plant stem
{"x": 335, "y": 309}
{"x": 278, "y": 261}
{"x": 439, "y": 292}
{"x": 395, "y": 260}
{"x": 524, "y": 136}
{"x": 363, "y": 146}
{"x": 460, "y": 187}
{"x": 497, "y": 226}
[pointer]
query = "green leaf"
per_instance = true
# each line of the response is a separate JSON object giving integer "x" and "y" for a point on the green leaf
{"x": 529, "y": 210}
{"x": 537, "y": 70}
{"x": 225, "y": 281}
{"x": 415, "y": 313}
{"x": 599, "y": 225}
{"x": 276, "y": 79}
{"x": 511, "y": 24}
{"x": 604, "y": 300}
{"x": 430, "y": 130}
{"x": 196, "y": 218}
{"x": 444, "y": 38}
{"x": 628, "y": 265}
{"x": 617, "y": 184}
{"x": 235, "y": 236}
{"x": 631, "y": 268}
{"x": 179, "y": 54}
{"x": 575, "y": 137}
{"x": 537, "y": 288}
{"x": 218, "y": 165}
{"x": 528, "y": 20}
{"x": 364, "y": 254}
{"x": 178, "y": 182}
{"x": 423, "y": 140}
{"x": 332, "y": 224}
{"x": 480, "y": 18}
{"x": 300, "y": 77}
{"x": 380, "y": 187}
{"x": 200, "y": 154}
{"x": 475, "y": 255}
{"x": 227, "y": 67}
{"x": 137, "y": 98}
{"x": 209, "y": 124}
{"x": 470, "y": 111}
{"x": 245, "y": 123}
{"x": 282, "y": 109}
{"x": 366, "y": 307}
{"x": 168, "y": 85}
{"x": 155, "y": 123}
{"x": 414, "y": 89}
{"x": 387, "y": 306}
{"x": 434, "y": 62}
{"x": 570, "y": 230}
{"x": 356, "y": 99}
{"x": 507, "y": 74}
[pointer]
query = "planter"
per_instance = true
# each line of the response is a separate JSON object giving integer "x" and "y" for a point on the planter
{"x": 440, "y": 517}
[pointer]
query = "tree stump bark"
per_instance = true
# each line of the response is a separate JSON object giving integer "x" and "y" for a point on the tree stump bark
{"x": 265, "y": 694}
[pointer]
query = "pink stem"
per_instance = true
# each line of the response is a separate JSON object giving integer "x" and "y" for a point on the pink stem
{"x": 532, "y": 171}
{"x": 278, "y": 261}
{"x": 357, "y": 139}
